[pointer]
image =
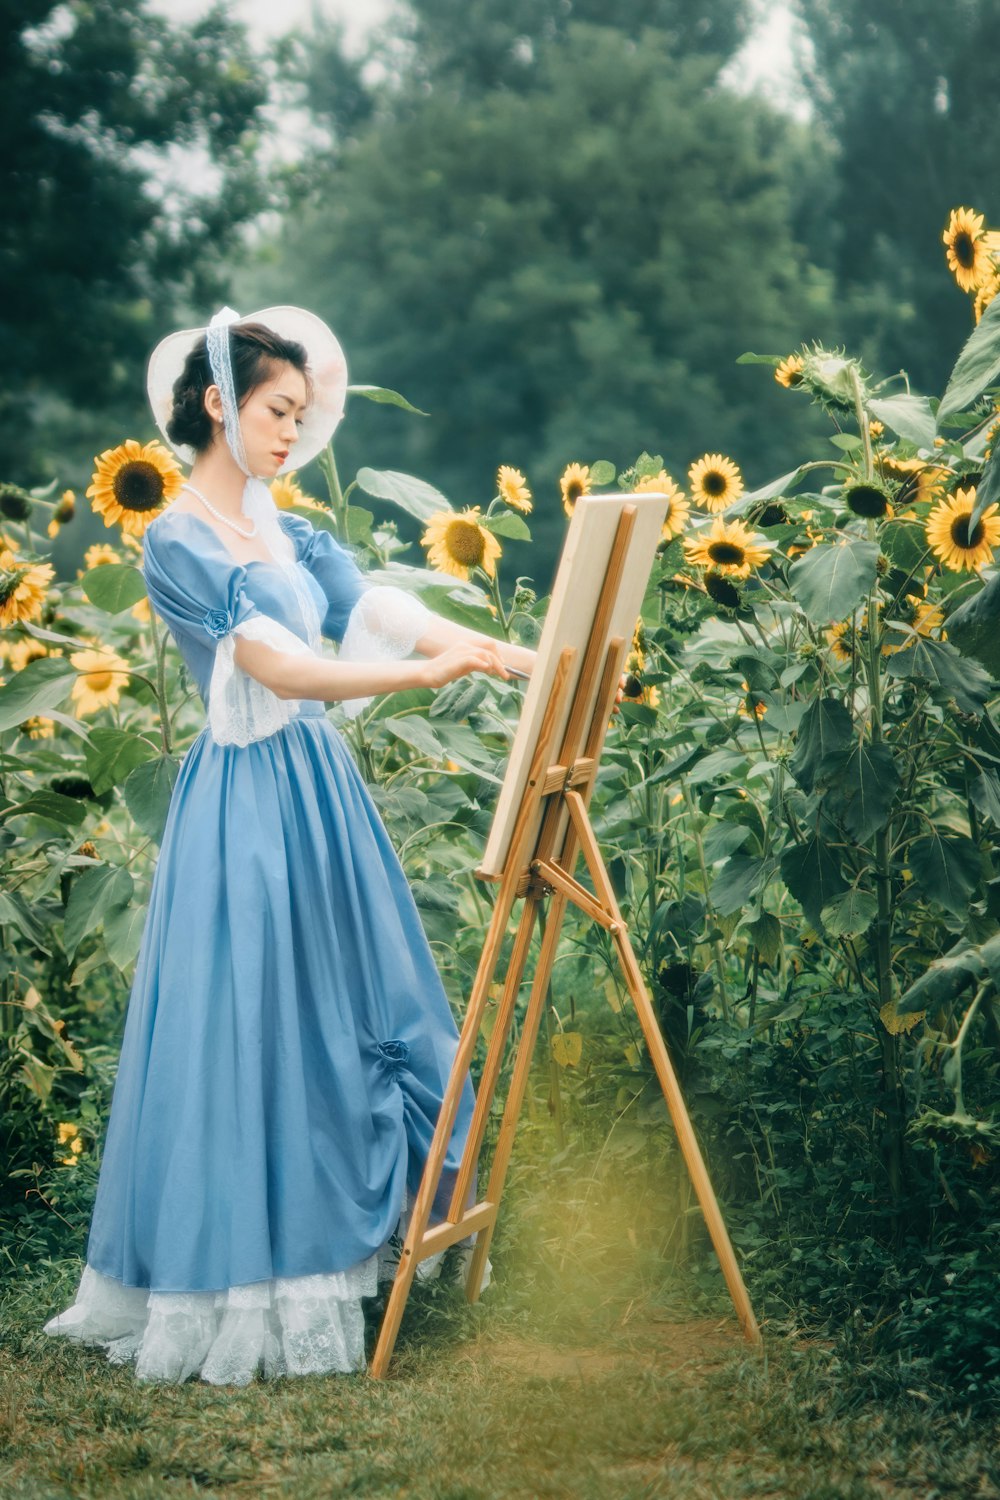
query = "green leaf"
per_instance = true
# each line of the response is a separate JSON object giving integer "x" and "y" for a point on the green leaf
{"x": 830, "y": 581}
{"x": 985, "y": 795}
{"x": 51, "y": 807}
{"x": 413, "y": 495}
{"x": 417, "y": 733}
{"x": 943, "y": 980}
{"x": 851, "y": 914}
{"x": 765, "y": 934}
{"x": 41, "y": 685}
{"x": 15, "y": 912}
{"x": 359, "y": 524}
{"x": 950, "y": 678}
{"x": 947, "y": 868}
{"x": 771, "y": 491}
{"x": 148, "y": 790}
{"x": 603, "y": 472}
{"x": 977, "y": 366}
{"x": 739, "y": 880}
{"x": 847, "y": 442}
{"x": 385, "y": 397}
{"x": 761, "y": 359}
{"x": 812, "y": 873}
{"x": 825, "y": 736}
{"x": 123, "y": 934}
{"x": 113, "y": 754}
{"x": 988, "y": 488}
{"x": 506, "y": 523}
{"x": 910, "y": 417}
{"x": 862, "y": 792}
{"x": 904, "y": 544}
{"x": 114, "y": 586}
{"x": 96, "y": 895}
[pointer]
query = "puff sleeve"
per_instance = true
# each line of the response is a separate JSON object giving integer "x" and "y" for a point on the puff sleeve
{"x": 201, "y": 596}
{"x": 372, "y": 622}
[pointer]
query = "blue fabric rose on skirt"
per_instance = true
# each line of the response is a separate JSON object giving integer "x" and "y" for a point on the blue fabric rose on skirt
{"x": 218, "y": 622}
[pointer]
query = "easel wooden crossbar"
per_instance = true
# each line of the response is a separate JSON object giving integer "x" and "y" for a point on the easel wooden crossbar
{"x": 551, "y": 830}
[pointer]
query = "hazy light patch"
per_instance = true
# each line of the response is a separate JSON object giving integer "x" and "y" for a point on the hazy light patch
{"x": 766, "y": 64}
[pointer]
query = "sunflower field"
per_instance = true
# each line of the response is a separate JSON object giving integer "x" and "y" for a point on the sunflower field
{"x": 799, "y": 806}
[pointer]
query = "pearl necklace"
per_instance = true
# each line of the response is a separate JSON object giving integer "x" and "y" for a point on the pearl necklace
{"x": 226, "y": 520}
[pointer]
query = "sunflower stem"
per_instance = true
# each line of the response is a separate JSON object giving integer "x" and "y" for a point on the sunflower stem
{"x": 328, "y": 464}
{"x": 160, "y": 647}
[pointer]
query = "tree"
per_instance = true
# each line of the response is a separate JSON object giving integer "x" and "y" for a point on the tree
{"x": 562, "y": 274}
{"x": 104, "y": 235}
{"x": 905, "y": 90}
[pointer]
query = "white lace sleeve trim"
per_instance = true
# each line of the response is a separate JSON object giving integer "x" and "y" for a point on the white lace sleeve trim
{"x": 384, "y": 625}
{"x": 241, "y": 709}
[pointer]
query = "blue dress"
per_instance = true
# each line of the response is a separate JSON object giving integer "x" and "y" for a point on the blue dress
{"x": 288, "y": 1039}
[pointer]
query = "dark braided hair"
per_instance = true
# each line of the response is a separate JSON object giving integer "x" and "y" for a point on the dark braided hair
{"x": 254, "y": 351}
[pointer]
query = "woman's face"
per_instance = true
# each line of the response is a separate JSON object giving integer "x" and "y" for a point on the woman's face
{"x": 270, "y": 418}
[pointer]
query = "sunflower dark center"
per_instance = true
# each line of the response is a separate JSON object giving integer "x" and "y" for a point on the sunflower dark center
{"x": 138, "y": 485}
{"x": 8, "y": 583}
{"x": 867, "y": 500}
{"x": 726, "y": 554}
{"x": 721, "y": 590}
{"x": 714, "y": 483}
{"x": 964, "y": 247}
{"x": 464, "y": 541}
{"x": 961, "y": 536}
{"x": 573, "y": 491}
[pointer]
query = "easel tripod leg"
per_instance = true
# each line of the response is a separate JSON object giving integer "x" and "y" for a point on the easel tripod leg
{"x": 522, "y": 1068}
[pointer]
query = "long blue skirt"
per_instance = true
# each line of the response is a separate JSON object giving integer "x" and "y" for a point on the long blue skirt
{"x": 288, "y": 1039}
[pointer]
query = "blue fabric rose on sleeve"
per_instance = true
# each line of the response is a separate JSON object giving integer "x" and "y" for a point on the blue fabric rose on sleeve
{"x": 218, "y": 622}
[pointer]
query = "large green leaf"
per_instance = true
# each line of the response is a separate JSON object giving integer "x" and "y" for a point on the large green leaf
{"x": 830, "y": 581}
{"x": 739, "y": 880}
{"x": 824, "y": 739}
{"x": 41, "y": 685}
{"x": 950, "y": 678}
{"x": 114, "y": 586}
{"x": 506, "y": 523}
{"x": 113, "y": 755}
{"x": 851, "y": 914}
{"x": 772, "y": 491}
{"x": 947, "y": 868}
{"x": 985, "y": 793}
{"x": 417, "y": 733}
{"x": 147, "y": 794}
{"x": 97, "y": 894}
{"x": 943, "y": 980}
{"x": 977, "y": 367}
{"x": 988, "y": 488}
{"x": 413, "y": 495}
{"x": 909, "y": 416}
{"x": 863, "y": 789}
{"x": 812, "y": 873}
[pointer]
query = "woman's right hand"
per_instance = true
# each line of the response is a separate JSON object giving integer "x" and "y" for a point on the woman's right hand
{"x": 459, "y": 661}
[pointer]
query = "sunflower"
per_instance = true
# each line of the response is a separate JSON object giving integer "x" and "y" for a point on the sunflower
{"x": 876, "y": 428}
{"x": 985, "y": 294}
{"x": 729, "y": 548}
{"x": 919, "y": 481}
{"x": 678, "y": 506}
{"x": 512, "y": 488}
{"x": 922, "y": 617}
{"x": 948, "y": 535}
{"x": 722, "y": 590}
{"x": 98, "y": 554}
{"x": 789, "y": 372}
{"x": 22, "y": 588}
{"x": 286, "y": 492}
{"x": 574, "y": 482}
{"x": 38, "y": 728}
{"x": 64, "y": 512}
{"x": 457, "y": 543}
{"x": 132, "y": 483}
{"x": 25, "y": 650}
{"x": 968, "y": 250}
{"x": 865, "y": 498}
{"x": 841, "y": 639}
{"x": 103, "y": 674}
{"x": 140, "y": 611}
{"x": 715, "y": 482}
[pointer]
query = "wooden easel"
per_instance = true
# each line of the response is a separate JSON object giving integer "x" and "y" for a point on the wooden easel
{"x": 539, "y": 867}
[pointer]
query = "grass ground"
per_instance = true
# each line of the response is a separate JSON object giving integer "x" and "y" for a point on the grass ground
{"x": 599, "y": 1385}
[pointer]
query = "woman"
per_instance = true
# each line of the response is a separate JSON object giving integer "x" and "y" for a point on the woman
{"x": 288, "y": 1041}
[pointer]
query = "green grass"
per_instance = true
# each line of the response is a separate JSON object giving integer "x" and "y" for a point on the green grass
{"x": 581, "y": 1373}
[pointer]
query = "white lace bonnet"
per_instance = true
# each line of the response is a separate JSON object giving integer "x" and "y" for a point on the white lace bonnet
{"x": 327, "y": 370}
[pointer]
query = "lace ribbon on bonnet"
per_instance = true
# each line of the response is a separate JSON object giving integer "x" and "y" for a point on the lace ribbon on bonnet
{"x": 384, "y": 625}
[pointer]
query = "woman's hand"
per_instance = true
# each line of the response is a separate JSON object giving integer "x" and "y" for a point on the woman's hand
{"x": 459, "y": 661}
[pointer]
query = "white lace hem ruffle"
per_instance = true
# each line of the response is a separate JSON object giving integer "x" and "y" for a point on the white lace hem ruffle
{"x": 299, "y": 1325}
{"x": 240, "y": 708}
{"x": 384, "y": 625}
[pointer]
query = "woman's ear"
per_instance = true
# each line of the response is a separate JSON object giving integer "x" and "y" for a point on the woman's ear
{"x": 213, "y": 403}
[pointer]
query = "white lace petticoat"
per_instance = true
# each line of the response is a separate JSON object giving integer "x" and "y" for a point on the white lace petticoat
{"x": 297, "y": 1325}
